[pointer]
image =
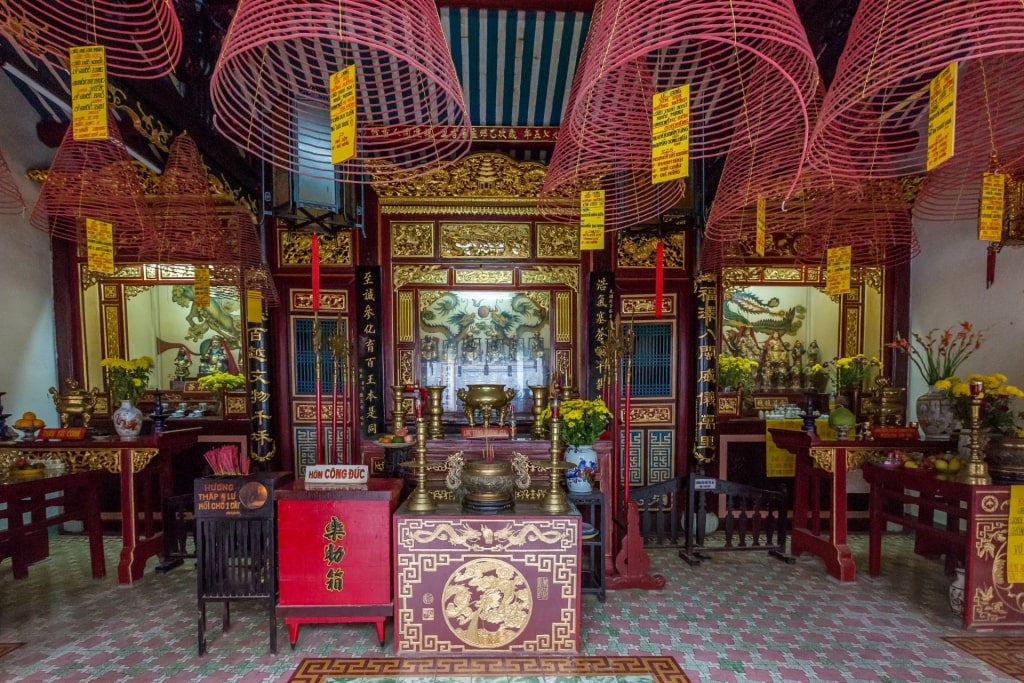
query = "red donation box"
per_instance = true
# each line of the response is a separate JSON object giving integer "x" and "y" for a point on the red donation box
{"x": 334, "y": 549}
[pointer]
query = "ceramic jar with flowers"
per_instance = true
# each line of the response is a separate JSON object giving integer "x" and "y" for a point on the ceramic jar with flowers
{"x": 583, "y": 421}
{"x": 998, "y": 424}
{"x": 937, "y": 355}
{"x": 127, "y": 381}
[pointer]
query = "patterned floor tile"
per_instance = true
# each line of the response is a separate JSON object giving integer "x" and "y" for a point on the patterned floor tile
{"x": 737, "y": 617}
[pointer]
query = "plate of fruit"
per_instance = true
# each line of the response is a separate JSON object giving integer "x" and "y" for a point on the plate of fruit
{"x": 400, "y": 439}
{"x": 25, "y": 469}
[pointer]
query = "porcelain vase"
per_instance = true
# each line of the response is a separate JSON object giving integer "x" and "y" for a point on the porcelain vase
{"x": 956, "y": 593}
{"x": 583, "y": 458}
{"x": 127, "y": 421}
{"x": 935, "y": 414}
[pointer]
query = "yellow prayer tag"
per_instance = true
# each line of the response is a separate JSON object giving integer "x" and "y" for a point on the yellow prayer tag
{"x": 837, "y": 279}
{"x": 99, "y": 248}
{"x": 990, "y": 220}
{"x": 761, "y": 226}
{"x": 343, "y": 114}
{"x": 201, "y": 294}
{"x": 88, "y": 69}
{"x": 1015, "y": 536}
{"x": 942, "y": 116}
{"x": 254, "y": 306}
{"x": 670, "y": 135}
{"x": 591, "y": 219}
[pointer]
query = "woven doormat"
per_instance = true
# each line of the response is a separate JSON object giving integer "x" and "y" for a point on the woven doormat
{"x": 328, "y": 669}
{"x": 6, "y": 648}
{"x": 1005, "y": 653}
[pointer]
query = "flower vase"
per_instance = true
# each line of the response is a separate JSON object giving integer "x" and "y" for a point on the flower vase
{"x": 127, "y": 421}
{"x": 956, "y": 593}
{"x": 584, "y": 459}
{"x": 935, "y": 414}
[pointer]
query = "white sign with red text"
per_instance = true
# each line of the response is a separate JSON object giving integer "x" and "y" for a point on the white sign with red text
{"x": 332, "y": 476}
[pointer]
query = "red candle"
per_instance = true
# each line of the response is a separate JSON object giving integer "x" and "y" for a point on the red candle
{"x": 314, "y": 257}
{"x": 976, "y": 387}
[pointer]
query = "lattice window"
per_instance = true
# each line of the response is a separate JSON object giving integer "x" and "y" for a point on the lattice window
{"x": 652, "y": 360}
{"x": 304, "y": 369}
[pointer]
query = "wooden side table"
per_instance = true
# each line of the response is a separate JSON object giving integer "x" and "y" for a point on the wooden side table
{"x": 823, "y": 465}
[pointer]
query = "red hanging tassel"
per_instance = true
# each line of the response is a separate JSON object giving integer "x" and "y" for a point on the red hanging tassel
{"x": 990, "y": 266}
{"x": 659, "y": 277}
{"x": 314, "y": 257}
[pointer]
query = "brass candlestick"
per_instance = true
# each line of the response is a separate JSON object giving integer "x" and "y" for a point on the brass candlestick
{"x": 435, "y": 411}
{"x": 420, "y": 499}
{"x": 977, "y": 468}
{"x": 555, "y": 502}
{"x": 540, "y": 399}
{"x": 399, "y": 409}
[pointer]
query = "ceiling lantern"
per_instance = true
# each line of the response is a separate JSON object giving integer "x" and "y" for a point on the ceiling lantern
{"x": 875, "y": 222}
{"x": 188, "y": 229}
{"x": 622, "y": 166}
{"x": 749, "y": 69}
{"x": 271, "y": 88}
{"x": 142, "y": 37}
{"x": 95, "y": 179}
{"x": 874, "y": 120}
{"x": 989, "y": 137}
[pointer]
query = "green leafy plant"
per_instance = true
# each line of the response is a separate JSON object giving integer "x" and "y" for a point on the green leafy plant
{"x": 938, "y": 354}
{"x": 127, "y": 379}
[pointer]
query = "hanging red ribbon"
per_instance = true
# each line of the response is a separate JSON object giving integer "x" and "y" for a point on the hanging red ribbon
{"x": 314, "y": 257}
{"x": 659, "y": 277}
{"x": 990, "y": 266}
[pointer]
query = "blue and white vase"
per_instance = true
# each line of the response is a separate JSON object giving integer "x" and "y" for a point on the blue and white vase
{"x": 583, "y": 458}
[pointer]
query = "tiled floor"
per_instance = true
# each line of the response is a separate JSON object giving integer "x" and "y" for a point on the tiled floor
{"x": 737, "y": 617}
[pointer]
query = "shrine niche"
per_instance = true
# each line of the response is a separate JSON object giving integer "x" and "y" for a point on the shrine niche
{"x": 151, "y": 310}
{"x": 781, "y": 318}
{"x": 484, "y": 337}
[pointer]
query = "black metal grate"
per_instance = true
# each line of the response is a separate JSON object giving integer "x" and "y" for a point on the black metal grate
{"x": 305, "y": 358}
{"x": 652, "y": 360}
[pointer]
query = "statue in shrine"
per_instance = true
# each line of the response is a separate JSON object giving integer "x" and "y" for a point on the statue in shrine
{"x": 429, "y": 349}
{"x": 215, "y": 357}
{"x": 777, "y": 359}
{"x": 182, "y": 364}
{"x": 813, "y": 354}
{"x": 798, "y": 352}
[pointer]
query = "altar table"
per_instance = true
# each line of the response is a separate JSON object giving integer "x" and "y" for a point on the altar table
{"x": 76, "y": 493}
{"x": 146, "y": 460}
{"x": 974, "y": 532}
{"x": 538, "y": 451}
{"x": 469, "y": 583}
{"x": 825, "y": 464}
